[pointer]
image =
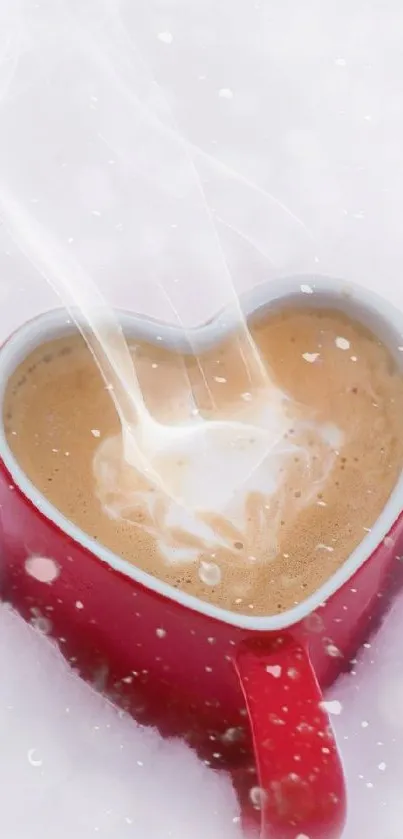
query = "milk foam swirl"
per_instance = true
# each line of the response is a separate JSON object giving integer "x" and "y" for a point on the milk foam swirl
{"x": 252, "y": 517}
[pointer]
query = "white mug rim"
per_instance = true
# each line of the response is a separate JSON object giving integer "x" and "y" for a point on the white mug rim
{"x": 375, "y": 312}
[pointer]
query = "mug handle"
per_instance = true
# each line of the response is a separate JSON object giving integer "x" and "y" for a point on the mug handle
{"x": 301, "y": 793}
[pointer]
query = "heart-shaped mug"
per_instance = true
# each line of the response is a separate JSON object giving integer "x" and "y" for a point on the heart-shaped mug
{"x": 232, "y": 684}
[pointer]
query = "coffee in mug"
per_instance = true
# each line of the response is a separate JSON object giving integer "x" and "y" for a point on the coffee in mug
{"x": 335, "y": 410}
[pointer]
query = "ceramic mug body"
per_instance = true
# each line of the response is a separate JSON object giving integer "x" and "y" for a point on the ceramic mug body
{"x": 233, "y": 685}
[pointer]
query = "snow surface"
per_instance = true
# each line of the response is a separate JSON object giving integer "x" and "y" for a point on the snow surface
{"x": 72, "y": 765}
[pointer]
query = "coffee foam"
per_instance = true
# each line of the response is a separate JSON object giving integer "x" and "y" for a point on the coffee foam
{"x": 229, "y": 452}
{"x": 185, "y": 535}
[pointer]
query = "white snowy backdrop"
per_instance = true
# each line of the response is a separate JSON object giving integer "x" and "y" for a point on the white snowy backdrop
{"x": 298, "y": 106}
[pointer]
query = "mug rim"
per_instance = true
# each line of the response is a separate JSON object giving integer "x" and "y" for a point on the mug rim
{"x": 376, "y": 313}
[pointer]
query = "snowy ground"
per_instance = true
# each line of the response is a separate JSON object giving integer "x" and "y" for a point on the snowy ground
{"x": 72, "y": 766}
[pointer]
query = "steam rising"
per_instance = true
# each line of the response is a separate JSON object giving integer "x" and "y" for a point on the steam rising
{"x": 107, "y": 141}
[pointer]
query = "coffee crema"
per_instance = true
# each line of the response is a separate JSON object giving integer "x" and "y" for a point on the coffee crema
{"x": 336, "y": 406}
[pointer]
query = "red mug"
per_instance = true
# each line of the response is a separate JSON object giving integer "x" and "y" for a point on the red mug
{"x": 235, "y": 686}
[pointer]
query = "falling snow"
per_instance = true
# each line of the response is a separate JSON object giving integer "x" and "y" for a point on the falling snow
{"x": 333, "y": 651}
{"x": 34, "y": 758}
{"x": 310, "y": 357}
{"x": 342, "y": 343}
{"x": 274, "y": 670}
{"x": 209, "y": 573}
{"x": 42, "y": 568}
{"x": 165, "y": 37}
{"x": 332, "y": 707}
{"x": 225, "y": 93}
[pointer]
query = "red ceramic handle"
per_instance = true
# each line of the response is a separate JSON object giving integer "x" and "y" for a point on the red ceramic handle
{"x": 301, "y": 793}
